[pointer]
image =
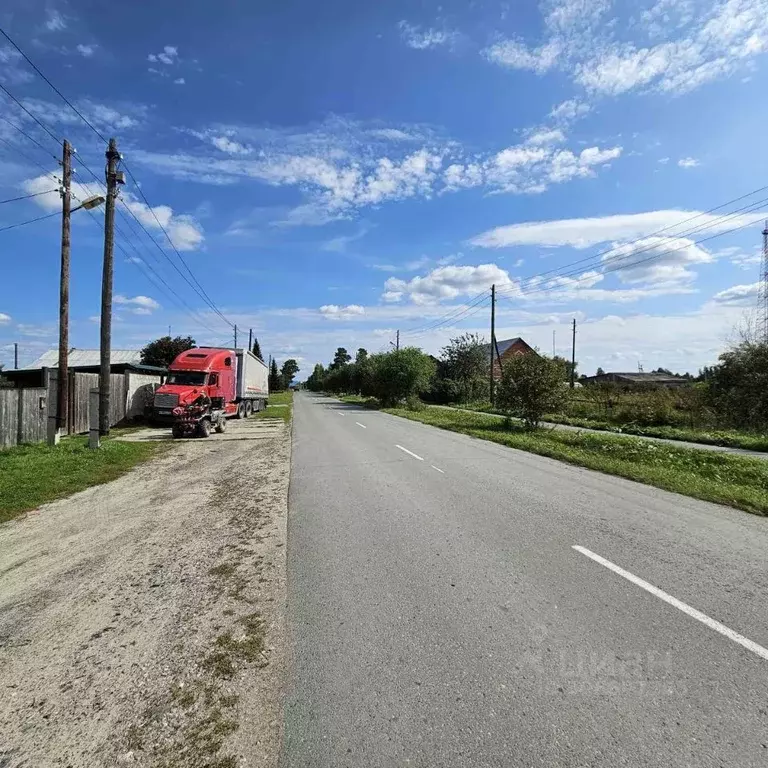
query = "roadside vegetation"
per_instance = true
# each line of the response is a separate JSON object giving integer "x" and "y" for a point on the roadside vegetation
{"x": 280, "y": 407}
{"x": 31, "y": 475}
{"x": 726, "y": 405}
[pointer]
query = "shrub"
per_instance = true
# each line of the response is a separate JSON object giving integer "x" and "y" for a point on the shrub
{"x": 396, "y": 376}
{"x": 531, "y": 386}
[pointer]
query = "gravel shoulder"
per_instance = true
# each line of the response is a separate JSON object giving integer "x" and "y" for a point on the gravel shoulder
{"x": 142, "y": 621}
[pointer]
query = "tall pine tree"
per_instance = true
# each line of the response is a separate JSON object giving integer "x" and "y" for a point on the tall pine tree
{"x": 275, "y": 379}
{"x": 256, "y": 348}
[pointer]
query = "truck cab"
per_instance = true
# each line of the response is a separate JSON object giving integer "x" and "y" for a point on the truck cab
{"x": 198, "y": 375}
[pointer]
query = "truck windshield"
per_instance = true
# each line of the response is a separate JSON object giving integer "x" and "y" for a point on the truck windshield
{"x": 189, "y": 378}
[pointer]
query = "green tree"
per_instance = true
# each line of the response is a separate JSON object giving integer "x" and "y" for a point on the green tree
{"x": 530, "y": 386}
{"x": 288, "y": 371}
{"x": 399, "y": 375}
{"x": 565, "y": 366}
{"x": 341, "y": 358}
{"x": 256, "y": 348}
{"x": 600, "y": 372}
{"x": 275, "y": 380}
{"x": 361, "y": 372}
{"x": 316, "y": 379}
{"x": 465, "y": 364}
{"x": 738, "y": 385}
{"x": 163, "y": 351}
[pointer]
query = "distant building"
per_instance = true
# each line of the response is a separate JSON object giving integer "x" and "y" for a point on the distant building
{"x": 87, "y": 358}
{"x": 508, "y": 348}
{"x": 637, "y": 378}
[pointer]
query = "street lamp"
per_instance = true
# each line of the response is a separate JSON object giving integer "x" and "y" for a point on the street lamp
{"x": 92, "y": 202}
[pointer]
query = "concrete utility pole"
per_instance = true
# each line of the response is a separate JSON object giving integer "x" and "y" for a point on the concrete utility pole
{"x": 573, "y": 356}
{"x": 250, "y": 339}
{"x": 493, "y": 342}
{"x": 62, "y": 387}
{"x": 113, "y": 179}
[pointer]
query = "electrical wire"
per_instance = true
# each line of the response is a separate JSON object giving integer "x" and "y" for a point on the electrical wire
{"x": 45, "y": 171}
{"x": 472, "y": 301}
{"x": 33, "y": 116}
{"x": 27, "y": 197}
{"x": 30, "y": 221}
{"x": 61, "y": 95}
{"x": 31, "y": 138}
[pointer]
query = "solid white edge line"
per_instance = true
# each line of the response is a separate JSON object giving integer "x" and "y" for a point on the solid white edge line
{"x": 410, "y": 453}
{"x": 361, "y": 425}
{"x": 437, "y": 468}
{"x": 679, "y": 604}
{"x": 340, "y": 413}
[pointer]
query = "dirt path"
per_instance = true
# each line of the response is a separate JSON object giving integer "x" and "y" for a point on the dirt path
{"x": 141, "y": 622}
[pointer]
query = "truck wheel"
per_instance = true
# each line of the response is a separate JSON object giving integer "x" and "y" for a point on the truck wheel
{"x": 241, "y": 410}
{"x": 204, "y": 428}
{"x": 177, "y": 431}
{"x": 248, "y": 408}
{"x": 221, "y": 424}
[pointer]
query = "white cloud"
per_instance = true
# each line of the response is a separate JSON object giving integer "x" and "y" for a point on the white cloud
{"x": 738, "y": 295}
{"x": 516, "y": 55}
{"x": 570, "y": 109}
{"x": 36, "y": 331}
{"x": 168, "y": 56}
{"x": 102, "y": 116}
{"x": 695, "y": 46}
{"x": 4, "y": 319}
{"x": 660, "y": 260}
{"x": 421, "y": 39}
{"x": 86, "y": 50}
{"x": 663, "y": 160}
{"x": 185, "y": 232}
{"x": 582, "y": 233}
{"x": 546, "y": 136}
{"x": 55, "y": 21}
{"x": 688, "y": 162}
{"x": 230, "y": 147}
{"x": 448, "y": 282}
{"x": 137, "y": 305}
{"x": 408, "y": 266}
{"x": 335, "y": 312}
{"x": 179, "y": 81}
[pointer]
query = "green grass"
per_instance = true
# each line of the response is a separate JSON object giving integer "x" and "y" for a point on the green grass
{"x": 285, "y": 402}
{"x": 736, "y": 481}
{"x": 730, "y": 438}
{"x": 31, "y": 475}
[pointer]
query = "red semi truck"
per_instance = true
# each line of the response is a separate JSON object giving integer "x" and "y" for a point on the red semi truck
{"x": 207, "y": 385}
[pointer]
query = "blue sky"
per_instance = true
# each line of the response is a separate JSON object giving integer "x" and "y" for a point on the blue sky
{"x": 333, "y": 172}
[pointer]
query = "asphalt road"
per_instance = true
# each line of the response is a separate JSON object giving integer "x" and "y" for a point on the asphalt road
{"x": 439, "y": 614}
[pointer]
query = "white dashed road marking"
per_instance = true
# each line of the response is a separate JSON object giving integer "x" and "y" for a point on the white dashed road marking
{"x": 410, "y": 453}
{"x": 437, "y": 468}
{"x": 679, "y": 604}
{"x": 361, "y": 425}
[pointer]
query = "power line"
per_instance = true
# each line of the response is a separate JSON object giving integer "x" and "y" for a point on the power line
{"x": 168, "y": 238}
{"x": 30, "y": 221}
{"x": 33, "y": 116}
{"x": 471, "y": 302}
{"x": 29, "y": 159}
{"x": 61, "y": 95}
{"x": 27, "y": 197}
{"x": 31, "y": 138}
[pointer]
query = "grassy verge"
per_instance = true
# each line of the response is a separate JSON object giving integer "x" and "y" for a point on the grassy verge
{"x": 280, "y": 407}
{"x": 31, "y": 475}
{"x": 736, "y": 481}
{"x": 730, "y": 438}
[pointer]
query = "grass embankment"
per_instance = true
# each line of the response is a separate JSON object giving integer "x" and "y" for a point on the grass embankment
{"x": 280, "y": 407}
{"x": 736, "y": 481}
{"x": 730, "y": 438}
{"x": 31, "y": 475}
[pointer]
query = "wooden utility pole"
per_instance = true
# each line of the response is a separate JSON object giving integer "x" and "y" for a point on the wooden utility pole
{"x": 235, "y": 336}
{"x": 397, "y": 342}
{"x": 573, "y": 356}
{"x": 62, "y": 386}
{"x": 16, "y": 355}
{"x": 113, "y": 178}
{"x": 250, "y": 339}
{"x": 493, "y": 341}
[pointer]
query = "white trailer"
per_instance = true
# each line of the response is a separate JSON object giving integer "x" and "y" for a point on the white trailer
{"x": 252, "y": 387}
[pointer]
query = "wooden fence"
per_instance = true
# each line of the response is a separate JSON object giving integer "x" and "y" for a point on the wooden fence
{"x": 24, "y": 413}
{"x": 23, "y": 416}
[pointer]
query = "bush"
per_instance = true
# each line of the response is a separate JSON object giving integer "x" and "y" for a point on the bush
{"x": 531, "y": 386}
{"x": 396, "y": 376}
